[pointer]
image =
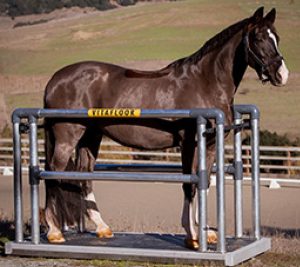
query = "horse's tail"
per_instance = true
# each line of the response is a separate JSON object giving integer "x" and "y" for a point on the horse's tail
{"x": 51, "y": 185}
{"x": 49, "y": 143}
{"x": 63, "y": 198}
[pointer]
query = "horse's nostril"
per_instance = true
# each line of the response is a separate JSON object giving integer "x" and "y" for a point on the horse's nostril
{"x": 278, "y": 76}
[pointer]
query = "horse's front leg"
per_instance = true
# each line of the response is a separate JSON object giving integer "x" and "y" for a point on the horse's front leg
{"x": 102, "y": 229}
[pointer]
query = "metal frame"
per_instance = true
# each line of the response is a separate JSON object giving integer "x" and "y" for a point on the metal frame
{"x": 201, "y": 116}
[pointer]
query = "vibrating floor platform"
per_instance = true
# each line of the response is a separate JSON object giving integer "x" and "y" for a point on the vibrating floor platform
{"x": 166, "y": 248}
{"x": 148, "y": 247}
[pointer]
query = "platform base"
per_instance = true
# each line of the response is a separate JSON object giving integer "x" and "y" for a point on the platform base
{"x": 166, "y": 248}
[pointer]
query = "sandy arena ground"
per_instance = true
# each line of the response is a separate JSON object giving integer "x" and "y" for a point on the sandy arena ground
{"x": 145, "y": 207}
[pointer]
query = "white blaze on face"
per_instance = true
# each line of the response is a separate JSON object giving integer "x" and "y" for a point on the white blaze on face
{"x": 283, "y": 70}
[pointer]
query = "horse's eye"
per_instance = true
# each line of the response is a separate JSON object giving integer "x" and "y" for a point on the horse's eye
{"x": 259, "y": 37}
{"x": 259, "y": 40}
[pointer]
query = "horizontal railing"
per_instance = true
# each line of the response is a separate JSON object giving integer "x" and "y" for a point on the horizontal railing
{"x": 283, "y": 162}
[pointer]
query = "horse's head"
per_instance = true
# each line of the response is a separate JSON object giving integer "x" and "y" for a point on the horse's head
{"x": 261, "y": 42}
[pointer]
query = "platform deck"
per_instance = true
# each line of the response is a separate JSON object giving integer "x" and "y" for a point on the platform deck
{"x": 150, "y": 247}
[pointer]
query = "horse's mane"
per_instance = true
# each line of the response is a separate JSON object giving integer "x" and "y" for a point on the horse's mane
{"x": 217, "y": 41}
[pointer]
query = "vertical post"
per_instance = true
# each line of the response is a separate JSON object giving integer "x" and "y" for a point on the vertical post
{"x": 202, "y": 182}
{"x": 255, "y": 175}
{"x": 34, "y": 181}
{"x": 289, "y": 163}
{"x": 238, "y": 177}
{"x": 247, "y": 161}
{"x": 18, "y": 198}
{"x": 220, "y": 189}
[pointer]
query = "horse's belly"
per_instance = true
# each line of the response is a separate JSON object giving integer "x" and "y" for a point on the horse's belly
{"x": 140, "y": 136}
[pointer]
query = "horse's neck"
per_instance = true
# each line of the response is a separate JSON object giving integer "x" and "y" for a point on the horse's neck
{"x": 239, "y": 62}
{"x": 228, "y": 64}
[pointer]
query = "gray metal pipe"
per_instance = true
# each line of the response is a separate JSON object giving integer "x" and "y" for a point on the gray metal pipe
{"x": 216, "y": 114}
{"x": 255, "y": 172}
{"x": 83, "y": 113}
{"x": 18, "y": 198}
{"x": 248, "y": 109}
{"x": 209, "y": 113}
{"x": 34, "y": 188}
{"x": 238, "y": 180}
{"x": 228, "y": 169}
{"x": 221, "y": 246}
{"x": 202, "y": 184}
{"x": 120, "y": 176}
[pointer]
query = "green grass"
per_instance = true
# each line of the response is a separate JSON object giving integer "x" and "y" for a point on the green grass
{"x": 162, "y": 31}
{"x": 167, "y": 31}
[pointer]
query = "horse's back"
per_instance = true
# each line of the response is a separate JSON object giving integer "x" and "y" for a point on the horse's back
{"x": 79, "y": 85}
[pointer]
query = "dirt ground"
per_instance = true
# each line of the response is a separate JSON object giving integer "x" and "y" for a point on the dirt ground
{"x": 156, "y": 207}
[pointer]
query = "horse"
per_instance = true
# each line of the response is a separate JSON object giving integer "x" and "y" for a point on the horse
{"x": 208, "y": 78}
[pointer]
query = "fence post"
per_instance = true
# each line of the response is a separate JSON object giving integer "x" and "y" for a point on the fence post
{"x": 247, "y": 163}
{"x": 289, "y": 163}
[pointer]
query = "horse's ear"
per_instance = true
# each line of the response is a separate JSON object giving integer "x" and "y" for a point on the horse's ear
{"x": 258, "y": 15}
{"x": 271, "y": 16}
{"x": 255, "y": 19}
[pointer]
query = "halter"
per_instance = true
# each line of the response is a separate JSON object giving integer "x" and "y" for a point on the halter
{"x": 263, "y": 65}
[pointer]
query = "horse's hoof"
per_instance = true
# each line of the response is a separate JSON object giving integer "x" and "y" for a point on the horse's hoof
{"x": 56, "y": 238}
{"x": 212, "y": 237}
{"x": 105, "y": 233}
{"x": 191, "y": 244}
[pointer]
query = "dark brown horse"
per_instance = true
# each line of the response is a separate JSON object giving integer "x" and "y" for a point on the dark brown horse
{"x": 208, "y": 78}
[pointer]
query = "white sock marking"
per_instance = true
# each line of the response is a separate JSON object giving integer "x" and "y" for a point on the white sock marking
{"x": 188, "y": 219}
{"x": 94, "y": 215}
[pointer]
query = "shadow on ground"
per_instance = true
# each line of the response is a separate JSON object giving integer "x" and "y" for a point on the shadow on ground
{"x": 7, "y": 233}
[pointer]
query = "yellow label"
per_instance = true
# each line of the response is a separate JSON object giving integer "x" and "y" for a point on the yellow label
{"x": 114, "y": 112}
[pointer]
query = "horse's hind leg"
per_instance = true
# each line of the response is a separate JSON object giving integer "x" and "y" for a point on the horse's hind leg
{"x": 53, "y": 217}
{"x": 63, "y": 138}
{"x": 86, "y": 157}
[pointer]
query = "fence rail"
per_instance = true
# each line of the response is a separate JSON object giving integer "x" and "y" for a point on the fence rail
{"x": 283, "y": 162}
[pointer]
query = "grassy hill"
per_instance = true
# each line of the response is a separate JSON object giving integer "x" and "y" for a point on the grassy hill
{"x": 153, "y": 32}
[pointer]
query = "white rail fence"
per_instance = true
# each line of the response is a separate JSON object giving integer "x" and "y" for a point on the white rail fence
{"x": 278, "y": 164}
